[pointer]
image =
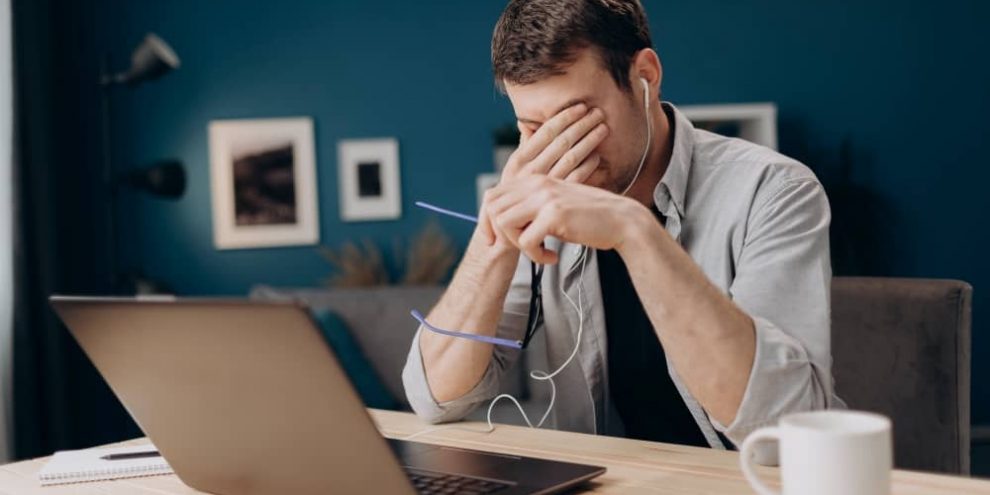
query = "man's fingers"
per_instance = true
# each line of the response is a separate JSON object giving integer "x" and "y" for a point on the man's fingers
{"x": 524, "y": 133}
{"x": 503, "y": 187}
{"x": 516, "y": 159}
{"x": 514, "y": 191}
{"x": 556, "y": 154}
{"x": 485, "y": 225}
{"x": 516, "y": 216}
{"x": 549, "y": 131}
{"x": 530, "y": 241}
{"x": 583, "y": 171}
{"x": 577, "y": 154}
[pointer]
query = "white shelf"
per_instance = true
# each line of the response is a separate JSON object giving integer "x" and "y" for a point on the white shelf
{"x": 757, "y": 121}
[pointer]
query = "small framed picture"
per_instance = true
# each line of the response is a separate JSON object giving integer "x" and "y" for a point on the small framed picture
{"x": 263, "y": 182}
{"x": 368, "y": 174}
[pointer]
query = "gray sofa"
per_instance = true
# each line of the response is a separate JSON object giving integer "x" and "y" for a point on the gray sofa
{"x": 900, "y": 347}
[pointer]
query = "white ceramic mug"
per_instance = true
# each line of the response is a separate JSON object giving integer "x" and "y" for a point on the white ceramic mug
{"x": 826, "y": 453}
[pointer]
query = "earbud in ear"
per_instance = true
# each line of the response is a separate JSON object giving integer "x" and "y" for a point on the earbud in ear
{"x": 646, "y": 92}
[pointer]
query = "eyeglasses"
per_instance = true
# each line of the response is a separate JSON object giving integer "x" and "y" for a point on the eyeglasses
{"x": 535, "y": 300}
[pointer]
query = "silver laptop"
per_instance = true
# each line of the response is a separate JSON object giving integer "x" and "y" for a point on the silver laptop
{"x": 245, "y": 397}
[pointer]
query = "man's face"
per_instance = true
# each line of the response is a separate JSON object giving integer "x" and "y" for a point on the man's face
{"x": 587, "y": 81}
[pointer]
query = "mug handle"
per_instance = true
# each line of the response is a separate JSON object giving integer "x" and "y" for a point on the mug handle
{"x": 746, "y": 457}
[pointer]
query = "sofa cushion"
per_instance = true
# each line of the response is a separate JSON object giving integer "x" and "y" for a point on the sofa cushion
{"x": 363, "y": 376}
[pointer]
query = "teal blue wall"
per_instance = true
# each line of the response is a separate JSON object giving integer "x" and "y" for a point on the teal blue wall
{"x": 360, "y": 69}
{"x": 887, "y": 100}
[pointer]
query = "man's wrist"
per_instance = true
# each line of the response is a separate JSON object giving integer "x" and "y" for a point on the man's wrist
{"x": 480, "y": 252}
{"x": 637, "y": 227}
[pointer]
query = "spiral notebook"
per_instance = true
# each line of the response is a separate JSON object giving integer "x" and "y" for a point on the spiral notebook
{"x": 77, "y": 466}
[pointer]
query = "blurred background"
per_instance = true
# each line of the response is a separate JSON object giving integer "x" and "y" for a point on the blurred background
{"x": 887, "y": 101}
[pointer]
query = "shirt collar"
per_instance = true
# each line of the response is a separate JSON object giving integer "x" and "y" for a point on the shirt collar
{"x": 670, "y": 194}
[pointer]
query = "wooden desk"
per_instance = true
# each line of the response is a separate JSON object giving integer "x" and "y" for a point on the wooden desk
{"x": 633, "y": 466}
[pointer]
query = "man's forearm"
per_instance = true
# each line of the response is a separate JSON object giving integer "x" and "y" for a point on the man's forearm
{"x": 472, "y": 303}
{"x": 711, "y": 342}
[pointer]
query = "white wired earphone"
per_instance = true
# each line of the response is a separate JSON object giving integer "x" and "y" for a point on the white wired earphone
{"x": 649, "y": 134}
{"x": 579, "y": 307}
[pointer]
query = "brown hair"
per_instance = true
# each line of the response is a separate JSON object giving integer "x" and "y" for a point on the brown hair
{"x": 535, "y": 39}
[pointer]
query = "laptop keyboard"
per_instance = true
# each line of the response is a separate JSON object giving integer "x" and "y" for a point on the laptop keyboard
{"x": 428, "y": 483}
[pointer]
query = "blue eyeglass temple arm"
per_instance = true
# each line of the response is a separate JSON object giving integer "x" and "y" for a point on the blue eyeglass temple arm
{"x": 447, "y": 212}
{"x": 515, "y": 344}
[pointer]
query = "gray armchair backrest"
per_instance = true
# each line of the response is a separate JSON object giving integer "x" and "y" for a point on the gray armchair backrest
{"x": 901, "y": 347}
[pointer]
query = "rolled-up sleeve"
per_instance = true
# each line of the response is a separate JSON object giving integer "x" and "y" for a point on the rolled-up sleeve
{"x": 515, "y": 311}
{"x": 783, "y": 281}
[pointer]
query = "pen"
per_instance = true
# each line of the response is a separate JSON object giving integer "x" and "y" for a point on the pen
{"x": 130, "y": 455}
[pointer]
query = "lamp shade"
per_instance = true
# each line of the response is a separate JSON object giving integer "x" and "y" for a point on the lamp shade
{"x": 166, "y": 179}
{"x": 152, "y": 59}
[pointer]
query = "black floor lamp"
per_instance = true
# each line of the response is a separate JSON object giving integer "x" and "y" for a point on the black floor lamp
{"x": 152, "y": 58}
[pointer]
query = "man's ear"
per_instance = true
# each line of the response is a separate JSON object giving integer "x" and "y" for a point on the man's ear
{"x": 646, "y": 64}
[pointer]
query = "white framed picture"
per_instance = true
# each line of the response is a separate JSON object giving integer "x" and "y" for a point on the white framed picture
{"x": 263, "y": 183}
{"x": 368, "y": 175}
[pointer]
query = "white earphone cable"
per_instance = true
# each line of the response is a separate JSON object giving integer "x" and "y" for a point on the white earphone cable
{"x": 542, "y": 375}
{"x": 535, "y": 374}
{"x": 649, "y": 135}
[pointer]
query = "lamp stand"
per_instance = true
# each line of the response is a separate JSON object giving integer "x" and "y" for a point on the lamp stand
{"x": 109, "y": 176}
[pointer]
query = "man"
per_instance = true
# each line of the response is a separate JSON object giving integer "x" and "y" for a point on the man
{"x": 705, "y": 287}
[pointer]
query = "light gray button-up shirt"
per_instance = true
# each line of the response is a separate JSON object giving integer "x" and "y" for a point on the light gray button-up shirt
{"x": 756, "y": 222}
